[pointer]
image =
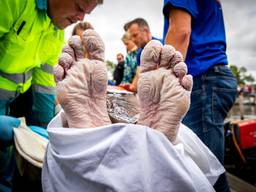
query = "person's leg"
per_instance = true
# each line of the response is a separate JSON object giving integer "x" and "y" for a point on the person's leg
{"x": 212, "y": 97}
{"x": 21, "y": 105}
{"x": 7, "y": 166}
{"x": 195, "y": 115}
{"x": 7, "y": 157}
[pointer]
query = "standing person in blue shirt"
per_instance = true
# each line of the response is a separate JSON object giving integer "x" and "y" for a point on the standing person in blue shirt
{"x": 140, "y": 34}
{"x": 196, "y": 29}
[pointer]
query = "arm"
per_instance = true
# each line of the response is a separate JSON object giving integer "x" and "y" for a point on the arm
{"x": 9, "y": 13}
{"x": 179, "y": 30}
{"x": 6, "y": 20}
{"x": 135, "y": 79}
{"x": 43, "y": 86}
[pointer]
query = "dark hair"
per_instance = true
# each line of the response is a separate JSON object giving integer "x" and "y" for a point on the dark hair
{"x": 100, "y": 1}
{"x": 120, "y": 54}
{"x": 83, "y": 26}
{"x": 140, "y": 21}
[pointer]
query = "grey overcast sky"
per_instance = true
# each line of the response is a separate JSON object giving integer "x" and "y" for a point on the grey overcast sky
{"x": 240, "y": 20}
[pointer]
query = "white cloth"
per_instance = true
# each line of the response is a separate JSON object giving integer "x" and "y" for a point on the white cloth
{"x": 126, "y": 157}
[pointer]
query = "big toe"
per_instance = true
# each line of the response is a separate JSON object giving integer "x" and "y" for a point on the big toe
{"x": 170, "y": 57}
{"x": 65, "y": 62}
{"x": 75, "y": 43}
{"x": 150, "y": 56}
{"x": 93, "y": 45}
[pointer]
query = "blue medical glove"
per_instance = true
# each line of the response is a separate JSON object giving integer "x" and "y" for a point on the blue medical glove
{"x": 7, "y": 124}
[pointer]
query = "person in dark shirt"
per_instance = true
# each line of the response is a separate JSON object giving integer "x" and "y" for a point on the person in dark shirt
{"x": 119, "y": 70}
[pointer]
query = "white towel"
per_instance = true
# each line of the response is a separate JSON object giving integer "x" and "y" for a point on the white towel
{"x": 125, "y": 157}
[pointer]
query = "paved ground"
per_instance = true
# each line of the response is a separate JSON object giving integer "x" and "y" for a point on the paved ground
{"x": 238, "y": 185}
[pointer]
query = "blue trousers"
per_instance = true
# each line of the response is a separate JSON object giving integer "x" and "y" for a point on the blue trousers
{"x": 38, "y": 109}
{"x": 212, "y": 97}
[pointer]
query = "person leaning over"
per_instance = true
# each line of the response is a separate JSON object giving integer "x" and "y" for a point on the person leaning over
{"x": 31, "y": 38}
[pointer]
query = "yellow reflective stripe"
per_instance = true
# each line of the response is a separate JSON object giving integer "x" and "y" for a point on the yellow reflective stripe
{"x": 11, "y": 86}
{"x": 47, "y": 68}
{"x": 7, "y": 84}
{"x": 43, "y": 89}
{"x": 24, "y": 87}
{"x": 43, "y": 78}
{"x": 17, "y": 77}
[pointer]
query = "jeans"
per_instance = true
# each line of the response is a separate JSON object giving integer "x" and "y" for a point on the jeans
{"x": 213, "y": 95}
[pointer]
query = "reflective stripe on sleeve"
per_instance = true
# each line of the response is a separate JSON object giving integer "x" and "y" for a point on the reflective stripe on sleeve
{"x": 47, "y": 68}
{"x": 18, "y": 78}
{"x": 43, "y": 89}
{"x": 5, "y": 94}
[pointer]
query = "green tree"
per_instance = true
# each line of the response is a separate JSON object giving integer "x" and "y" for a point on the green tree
{"x": 242, "y": 75}
{"x": 110, "y": 66}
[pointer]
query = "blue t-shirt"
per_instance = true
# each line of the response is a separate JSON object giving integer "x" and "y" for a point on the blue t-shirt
{"x": 207, "y": 41}
{"x": 141, "y": 49}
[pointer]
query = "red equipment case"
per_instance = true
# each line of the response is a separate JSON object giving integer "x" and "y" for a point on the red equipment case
{"x": 245, "y": 132}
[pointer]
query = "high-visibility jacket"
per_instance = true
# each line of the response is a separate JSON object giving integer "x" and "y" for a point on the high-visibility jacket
{"x": 29, "y": 48}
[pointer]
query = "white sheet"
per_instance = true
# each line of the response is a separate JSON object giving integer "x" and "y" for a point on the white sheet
{"x": 125, "y": 157}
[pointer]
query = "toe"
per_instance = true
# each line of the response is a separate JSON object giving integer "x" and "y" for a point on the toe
{"x": 150, "y": 56}
{"x": 67, "y": 49}
{"x": 75, "y": 43}
{"x": 187, "y": 82}
{"x": 170, "y": 57}
{"x": 93, "y": 45}
{"x": 177, "y": 58}
{"x": 180, "y": 70}
{"x": 167, "y": 55}
{"x": 59, "y": 73}
{"x": 66, "y": 61}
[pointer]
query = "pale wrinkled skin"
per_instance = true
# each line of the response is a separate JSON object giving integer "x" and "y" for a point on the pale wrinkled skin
{"x": 82, "y": 82}
{"x": 164, "y": 89}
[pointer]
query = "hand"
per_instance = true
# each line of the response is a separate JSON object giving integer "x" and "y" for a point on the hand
{"x": 128, "y": 87}
{"x": 7, "y": 124}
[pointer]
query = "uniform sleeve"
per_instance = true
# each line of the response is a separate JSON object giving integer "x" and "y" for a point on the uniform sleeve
{"x": 189, "y": 6}
{"x": 6, "y": 17}
{"x": 10, "y": 10}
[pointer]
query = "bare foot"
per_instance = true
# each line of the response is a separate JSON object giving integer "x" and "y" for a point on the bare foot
{"x": 164, "y": 89}
{"x": 82, "y": 82}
